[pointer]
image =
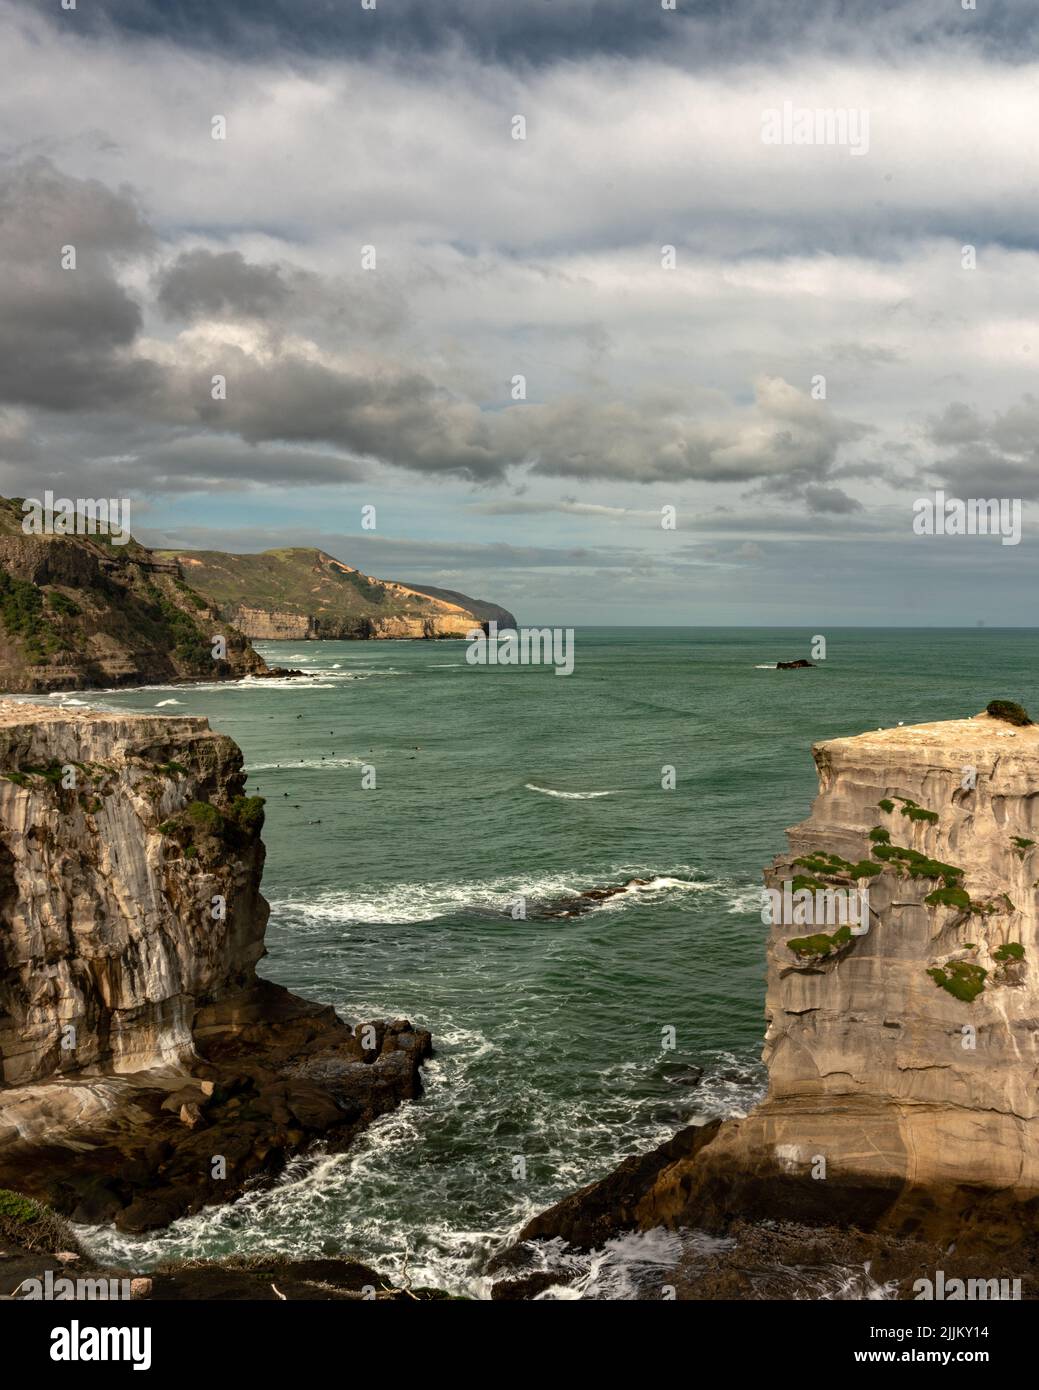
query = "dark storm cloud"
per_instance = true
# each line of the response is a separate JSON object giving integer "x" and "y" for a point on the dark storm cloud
{"x": 996, "y": 457}
{"x": 399, "y": 417}
{"x": 205, "y": 283}
{"x": 541, "y": 31}
{"x": 65, "y": 333}
{"x": 71, "y": 341}
{"x": 830, "y": 500}
{"x": 67, "y": 341}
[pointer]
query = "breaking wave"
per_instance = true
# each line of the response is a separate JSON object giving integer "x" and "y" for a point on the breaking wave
{"x": 567, "y": 796}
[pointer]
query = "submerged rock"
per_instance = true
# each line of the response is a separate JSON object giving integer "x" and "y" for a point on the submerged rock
{"x": 576, "y": 904}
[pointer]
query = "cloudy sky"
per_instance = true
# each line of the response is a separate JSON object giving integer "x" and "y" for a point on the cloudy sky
{"x": 652, "y": 380}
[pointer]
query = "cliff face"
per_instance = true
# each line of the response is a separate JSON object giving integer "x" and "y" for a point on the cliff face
{"x": 483, "y": 611}
{"x": 904, "y": 1059}
{"x": 119, "y": 839}
{"x": 912, "y": 1052}
{"x": 136, "y": 1040}
{"x": 273, "y": 625}
{"x": 77, "y": 611}
{"x": 300, "y": 593}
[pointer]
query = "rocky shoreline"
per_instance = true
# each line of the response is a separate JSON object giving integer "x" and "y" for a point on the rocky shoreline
{"x": 896, "y": 1144}
{"x": 147, "y": 1071}
{"x": 900, "y": 1131}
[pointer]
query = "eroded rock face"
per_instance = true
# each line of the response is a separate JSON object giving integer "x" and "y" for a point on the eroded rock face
{"x": 137, "y": 1044}
{"x": 903, "y": 1060}
{"x": 122, "y": 841}
{"x": 911, "y": 1052}
{"x": 274, "y": 625}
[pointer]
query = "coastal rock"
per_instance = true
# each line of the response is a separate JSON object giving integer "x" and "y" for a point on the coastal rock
{"x": 135, "y": 1034}
{"x": 904, "y": 1060}
{"x": 78, "y": 611}
{"x": 300, "y": 594}
{"x": 912, "y": 1061}
{"x": 31, "y": 1262}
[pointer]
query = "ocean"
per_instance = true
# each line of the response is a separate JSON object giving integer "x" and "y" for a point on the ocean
{"x": 562, "y": 1044}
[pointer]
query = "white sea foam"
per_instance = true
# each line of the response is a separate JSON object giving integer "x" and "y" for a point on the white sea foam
{"x": 424, "y": 902}
{"x": 352, "y": 1201}
{"x": 161, "y": 703}
{"x": 747, "y": 899}
{"x": 567, "y": 796}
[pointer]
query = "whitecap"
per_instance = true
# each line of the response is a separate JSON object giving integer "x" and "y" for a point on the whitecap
{"x": 749, "y": 899}
{"x": 567, "y": 796}
{"x": 402, "y": 903}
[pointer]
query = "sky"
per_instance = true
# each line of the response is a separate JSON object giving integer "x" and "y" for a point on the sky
{"x": 538, "y": 282}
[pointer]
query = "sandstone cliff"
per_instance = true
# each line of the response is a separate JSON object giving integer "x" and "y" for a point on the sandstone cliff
{"x": 300, "y": 593}
{"x": 78, "y": 611}
{"x": 134, "y": 1031}
{"x": 903, "y": 1060}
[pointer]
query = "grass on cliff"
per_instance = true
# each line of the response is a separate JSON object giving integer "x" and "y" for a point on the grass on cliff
{"x": 22, "y": 614}
{"x": 917, "y": 813}
{"x": 909, "y": 808}
{"x": 26, "y": 1222}
{"x": 1013, "y": 950}
{"x": 190, "y": 644}
{"x": 1009, "y": 711}
{"x": 820, "y": 944}
{"x": 949, "y": 897}
{"x": 833, "y": 866}
{"x": 960, "y": 978}
{"x": 244, "y": 817}
{"x": 918, "y": 865}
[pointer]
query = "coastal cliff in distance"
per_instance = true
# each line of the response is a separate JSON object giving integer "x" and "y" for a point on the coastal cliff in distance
{"x": 136, "y": 1040}
{"x": 299, "y": 593}
{"x": 78, "y": 611}
{"x": 903, "y": 1060}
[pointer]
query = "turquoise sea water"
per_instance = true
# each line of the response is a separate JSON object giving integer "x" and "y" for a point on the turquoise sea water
{"x": 494, "y": 784}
